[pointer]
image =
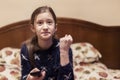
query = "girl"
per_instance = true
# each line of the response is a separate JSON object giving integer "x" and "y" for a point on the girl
{"x": 43, "y": 52}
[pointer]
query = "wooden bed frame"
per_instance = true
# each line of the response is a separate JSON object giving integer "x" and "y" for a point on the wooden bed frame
{"x": 104, "y": 38}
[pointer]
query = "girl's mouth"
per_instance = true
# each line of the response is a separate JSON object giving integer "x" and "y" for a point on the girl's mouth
{"x": 45, "y": 33}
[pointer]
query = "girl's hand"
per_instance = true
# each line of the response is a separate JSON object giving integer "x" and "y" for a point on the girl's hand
{"x": 65, "y": 43}
{"x": 41, "y": 77}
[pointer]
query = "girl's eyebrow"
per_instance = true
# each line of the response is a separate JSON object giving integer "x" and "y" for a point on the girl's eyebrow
{"x": 45, "y": 19}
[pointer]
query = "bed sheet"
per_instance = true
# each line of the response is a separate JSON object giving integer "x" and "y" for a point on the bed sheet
{"x": 86, "y": 64}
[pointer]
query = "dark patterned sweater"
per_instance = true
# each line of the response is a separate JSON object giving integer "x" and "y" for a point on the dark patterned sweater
{"x": 50, "y": 60}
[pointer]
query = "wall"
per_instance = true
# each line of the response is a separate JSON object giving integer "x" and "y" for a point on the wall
{"x": 105, "y": 12}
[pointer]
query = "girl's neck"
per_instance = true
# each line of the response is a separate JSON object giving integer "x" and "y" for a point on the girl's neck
{"x": 45, "y": 44}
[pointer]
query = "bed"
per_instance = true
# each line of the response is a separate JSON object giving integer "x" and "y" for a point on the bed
{"x": 105, "y": 39}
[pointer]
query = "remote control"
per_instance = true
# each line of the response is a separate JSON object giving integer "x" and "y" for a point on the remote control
{"x": 37, "y": 73}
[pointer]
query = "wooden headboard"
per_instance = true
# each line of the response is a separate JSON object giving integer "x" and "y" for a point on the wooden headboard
{"x": 104, "y": 38}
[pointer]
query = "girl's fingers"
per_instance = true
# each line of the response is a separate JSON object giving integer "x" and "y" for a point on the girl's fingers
{"x": 69, "y": 38}
{"x": 66, "y": 40}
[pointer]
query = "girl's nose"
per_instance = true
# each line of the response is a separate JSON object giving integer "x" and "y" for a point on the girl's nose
{"x": 45, "y": 26}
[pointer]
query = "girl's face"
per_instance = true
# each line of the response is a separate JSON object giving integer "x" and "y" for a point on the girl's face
{"x": 44, "y": 26}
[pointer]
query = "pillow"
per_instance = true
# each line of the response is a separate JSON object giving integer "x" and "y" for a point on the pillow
{"x": 10, "y": 68}
{"x": 85, "y": 52}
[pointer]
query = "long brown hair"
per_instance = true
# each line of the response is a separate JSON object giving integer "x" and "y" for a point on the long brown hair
{"x": 32, "y": 43}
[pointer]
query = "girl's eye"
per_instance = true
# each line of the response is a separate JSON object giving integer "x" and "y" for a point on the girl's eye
{"x": 50, "y": 22}
{"x": 39, "y": 23}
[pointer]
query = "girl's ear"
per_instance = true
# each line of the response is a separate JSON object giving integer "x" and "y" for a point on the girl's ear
{"x": 32, "y": 28}
{"x": 55, "y": 29}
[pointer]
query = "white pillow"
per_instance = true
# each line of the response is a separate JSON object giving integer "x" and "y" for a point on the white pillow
{"x": 84, "y": 52}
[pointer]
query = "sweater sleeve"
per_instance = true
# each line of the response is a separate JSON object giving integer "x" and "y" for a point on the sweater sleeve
{"x": 66, "y": 72}
{"x": 24, "y": 62}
